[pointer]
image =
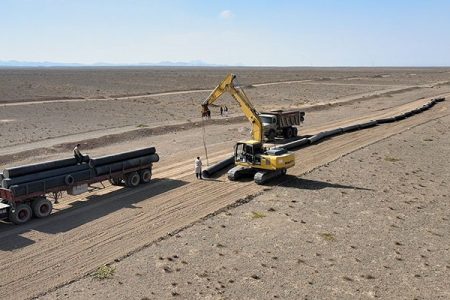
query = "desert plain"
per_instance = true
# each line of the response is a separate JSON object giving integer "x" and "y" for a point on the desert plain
{"x": 362, "y": 215}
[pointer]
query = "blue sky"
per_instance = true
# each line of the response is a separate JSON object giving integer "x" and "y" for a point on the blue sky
{"x": 259, "y": 33}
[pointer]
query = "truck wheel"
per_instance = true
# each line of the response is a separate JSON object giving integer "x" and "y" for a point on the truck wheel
{"x": 21, "y": 214}
{"x": 42, "y": 207}
{"x": 289, "y": 133}
{"x": 132, "y": 179}
{"x": 146, "y": 175}
{"x": 271, "y": 135}
{"x": 295, "y": 132}
{"x": 115, "y": 180}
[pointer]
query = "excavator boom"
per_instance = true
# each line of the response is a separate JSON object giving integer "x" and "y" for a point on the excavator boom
{"x": 227, "y": 85}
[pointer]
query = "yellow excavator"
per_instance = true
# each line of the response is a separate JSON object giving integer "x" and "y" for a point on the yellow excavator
{"x": 251, "y": 157}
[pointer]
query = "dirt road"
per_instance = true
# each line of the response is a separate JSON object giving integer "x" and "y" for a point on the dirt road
{"x": 45, "y": 254}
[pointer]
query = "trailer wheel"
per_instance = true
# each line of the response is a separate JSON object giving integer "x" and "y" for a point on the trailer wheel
{"x": 132, "y": 179}
{"x": 295, "y": 132}
{"x": 146, "y": 175}
{"x": 115, "y": 180}
{"x": 21, "y": 214}
{"x": 42, "y": 207}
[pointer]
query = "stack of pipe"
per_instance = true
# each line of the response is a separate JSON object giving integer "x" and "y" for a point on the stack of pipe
{"x": 41, "y": 177}
{"x": 125, "y": 160}
{"x": 33, "y": 178}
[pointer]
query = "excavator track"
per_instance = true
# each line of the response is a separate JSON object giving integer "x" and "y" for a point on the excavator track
{"x": 263, "y": 176}
{"x": 239, "y": 172}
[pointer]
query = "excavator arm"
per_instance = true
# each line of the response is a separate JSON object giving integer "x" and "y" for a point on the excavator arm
{"x": 227, "y": 85}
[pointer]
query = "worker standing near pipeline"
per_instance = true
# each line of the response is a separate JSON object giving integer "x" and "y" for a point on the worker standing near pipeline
{"x": 198, "y": 168}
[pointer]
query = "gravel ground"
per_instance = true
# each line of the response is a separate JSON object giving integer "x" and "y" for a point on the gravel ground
{"x": 19, "y": 84}
{"x": 373, "y": 224}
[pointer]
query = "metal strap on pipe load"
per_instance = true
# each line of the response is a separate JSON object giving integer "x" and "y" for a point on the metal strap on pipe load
{"x": 208, "y": 172}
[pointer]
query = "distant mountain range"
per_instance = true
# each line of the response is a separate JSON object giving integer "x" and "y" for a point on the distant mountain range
{"x": 16, "y": 63}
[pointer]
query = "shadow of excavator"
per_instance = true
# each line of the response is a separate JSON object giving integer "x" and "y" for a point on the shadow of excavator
{"x": 308, "y": 184}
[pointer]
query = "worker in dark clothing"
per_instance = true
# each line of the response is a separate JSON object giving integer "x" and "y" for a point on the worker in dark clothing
{"x": 221, "y": 111}
{"x": 77, "y": 154}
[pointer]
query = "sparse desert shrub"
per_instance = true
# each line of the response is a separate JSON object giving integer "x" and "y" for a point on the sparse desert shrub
{"x": 328, "y": 236}
{"x": 104, "y": 272}
{"x": 257, "y": 215}
{"x": 391, "y": 159}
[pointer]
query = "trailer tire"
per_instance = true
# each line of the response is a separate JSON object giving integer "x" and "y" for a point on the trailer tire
{"x": 145, "y": 175}
{"x": 42, "y": 207}
{"x": 295, "y": 132}
{"x": 22, "y": 214}
{"x": 132, "y": 179}
{"x": 115, "y": 181}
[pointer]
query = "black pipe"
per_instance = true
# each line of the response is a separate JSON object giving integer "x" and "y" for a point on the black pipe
{"x": 350, "y": 128}
{"x": 368, "y": 124}
{"x": 43, "y": 185}
{"x": 386, "y": 120}
{"x": 208, "y": 172}
{"x": 109, "y": 159}
{"x": 315, "y": 138}
{"x": 40, "y": 167}
{"x": 295, "y": 144}
{"x": 126, "y": 164}
{"x": 332, "y": 132}
{"x": 7, "y": 182}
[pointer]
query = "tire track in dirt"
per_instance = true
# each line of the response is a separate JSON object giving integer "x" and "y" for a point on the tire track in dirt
{"x": 73, "y": 244}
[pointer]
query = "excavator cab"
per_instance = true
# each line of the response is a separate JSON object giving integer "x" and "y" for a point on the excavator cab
{"x": 248, "y": 152}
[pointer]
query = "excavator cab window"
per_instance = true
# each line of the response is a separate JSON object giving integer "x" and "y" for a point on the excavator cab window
{"x": 240, "y": 153}
{"x": 248, "y": 153}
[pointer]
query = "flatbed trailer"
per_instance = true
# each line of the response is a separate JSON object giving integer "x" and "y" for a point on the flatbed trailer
{"x": 20, "y": 209}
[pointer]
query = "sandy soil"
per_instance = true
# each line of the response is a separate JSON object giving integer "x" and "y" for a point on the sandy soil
{"x": 21, "y": 84}
{"x": 57, "y": 122}
{"x": 39, "y": 122}
{"x": 119, "y": 222}
{"x": 112, "y": 223}
{"x": 374, "y": 224}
